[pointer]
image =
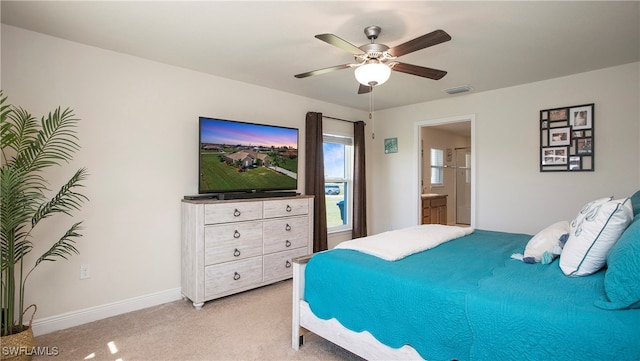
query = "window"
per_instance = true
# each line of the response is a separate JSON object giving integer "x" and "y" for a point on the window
{"x": 338, "y": 170}
{"x": 437, "y": 167}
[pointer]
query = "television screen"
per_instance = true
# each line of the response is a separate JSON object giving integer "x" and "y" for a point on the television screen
{"x": 245, "y": 157}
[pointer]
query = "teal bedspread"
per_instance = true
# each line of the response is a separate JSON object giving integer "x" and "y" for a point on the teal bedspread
{"x": 467, "y": 300}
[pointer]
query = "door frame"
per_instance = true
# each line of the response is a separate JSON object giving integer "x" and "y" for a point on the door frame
{"x": 471, "y": 118}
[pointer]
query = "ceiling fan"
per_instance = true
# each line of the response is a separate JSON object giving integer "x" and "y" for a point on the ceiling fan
{"x": 374, "y": 62}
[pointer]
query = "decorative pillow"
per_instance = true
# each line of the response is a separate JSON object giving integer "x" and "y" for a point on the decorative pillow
{"x": 593, "y": 232}
{"x": 545, "y": 241}
{"x": 622, "y": 278}
{"x": 635, "y": 203}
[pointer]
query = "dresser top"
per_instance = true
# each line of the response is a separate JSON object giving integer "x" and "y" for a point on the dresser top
{"x": 216, "y": 201}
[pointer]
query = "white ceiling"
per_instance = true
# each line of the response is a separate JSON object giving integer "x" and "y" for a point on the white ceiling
{"x": 494, "y": 44}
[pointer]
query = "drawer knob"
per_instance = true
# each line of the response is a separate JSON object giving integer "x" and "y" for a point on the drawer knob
{"x": 287, "y": 227}
{"x": 236, "y": 276}
{"x": 236, "y": 213}
{"x": 236, "y": 234}
{"x": 288, "y": 264}
{"x": 287, "y": 243}
{"x": 288, "y": 208}
{"x": 236, "y": 253}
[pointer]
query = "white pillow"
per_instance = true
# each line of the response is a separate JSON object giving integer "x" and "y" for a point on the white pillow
{"x": 593, "y": 233}
{"x": 546, "y": 240}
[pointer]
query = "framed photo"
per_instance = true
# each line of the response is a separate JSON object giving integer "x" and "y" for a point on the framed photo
{"x": 574, "y": 163}
{"x": 554, "y": 156}
{"x": 581, "y": 117}
{"x": 558, "y": 114}
{"x": 391, "y": 145}
{"x": 567, "y": 139}
{"x": 583, "y": 146}
{"x": 559, "y": 136}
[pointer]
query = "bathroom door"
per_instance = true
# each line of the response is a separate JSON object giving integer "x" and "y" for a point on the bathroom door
{"x": 463, "y": 185}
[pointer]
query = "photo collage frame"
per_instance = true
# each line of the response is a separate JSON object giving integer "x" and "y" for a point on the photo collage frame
{"x": 567, "y": 139}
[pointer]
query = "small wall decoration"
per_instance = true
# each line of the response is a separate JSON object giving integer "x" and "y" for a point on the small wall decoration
{"x": 566, "y": 139}
{"x": 391, "y": 145}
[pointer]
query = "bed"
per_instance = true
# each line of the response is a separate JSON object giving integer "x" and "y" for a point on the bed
{"x": 469, "y": 298}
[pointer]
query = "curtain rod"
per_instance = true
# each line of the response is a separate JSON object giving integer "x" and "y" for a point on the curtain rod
{"x": 343, "y": 120}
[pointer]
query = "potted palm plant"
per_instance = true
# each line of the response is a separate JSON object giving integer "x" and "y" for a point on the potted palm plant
{"x": 29, "y": 148}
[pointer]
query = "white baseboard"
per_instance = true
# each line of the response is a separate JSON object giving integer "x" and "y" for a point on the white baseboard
{"x": 59, "y": 322}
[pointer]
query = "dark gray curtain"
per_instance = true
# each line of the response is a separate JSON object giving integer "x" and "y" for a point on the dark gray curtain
{"x": 359, "y": 183}
{"x": 314, "y": 178}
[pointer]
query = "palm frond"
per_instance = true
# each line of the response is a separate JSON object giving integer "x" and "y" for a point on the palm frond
{"x": 21, "y": 129}
{"x": 4, "y": 108}
{"x": 18, "y": 200}
{"x": 64, "y": 247}
{"x": 65, "y": 201}
{"x": 6, "y": 128}
{"x": 54, "y": 142}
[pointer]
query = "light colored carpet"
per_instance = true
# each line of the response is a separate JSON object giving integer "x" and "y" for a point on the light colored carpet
{"x": 254, "y": 325}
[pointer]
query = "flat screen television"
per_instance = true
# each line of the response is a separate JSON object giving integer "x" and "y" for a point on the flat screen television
{"x": 237, "y": 156}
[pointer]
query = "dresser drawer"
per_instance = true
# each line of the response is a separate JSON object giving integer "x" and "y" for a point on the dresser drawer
{"x": 286, "y": 233}
{"x": 234, "y": 241}
{"x": 229, "y": 276}
{"x": 278, "y": 265}
{"x": 285, "y": 207}
{"x": 232, "y": 212}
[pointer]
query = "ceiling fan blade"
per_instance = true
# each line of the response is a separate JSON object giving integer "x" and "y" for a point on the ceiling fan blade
{"x": 430, "y": 73}
{"x": 340, "y": 43}
{"x": 363, "y": 89}
{"x": 424, "y": 41}
{"x": 323, "y": 71}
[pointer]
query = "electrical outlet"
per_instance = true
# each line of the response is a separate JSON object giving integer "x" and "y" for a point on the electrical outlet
{"x": 85, "y": 271}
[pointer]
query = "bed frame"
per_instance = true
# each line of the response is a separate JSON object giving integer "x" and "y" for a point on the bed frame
{"x": 362, "y": 344}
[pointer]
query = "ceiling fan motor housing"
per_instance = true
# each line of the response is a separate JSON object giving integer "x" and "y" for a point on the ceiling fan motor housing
{"x": 372, "y": 32}
{"x": 374, "y": 50}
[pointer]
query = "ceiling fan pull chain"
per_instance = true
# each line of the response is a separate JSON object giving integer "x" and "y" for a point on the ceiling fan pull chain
{"x": 373, "y": 123}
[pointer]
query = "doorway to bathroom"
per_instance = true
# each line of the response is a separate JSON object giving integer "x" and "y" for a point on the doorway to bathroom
{"x": 452, "y": 175}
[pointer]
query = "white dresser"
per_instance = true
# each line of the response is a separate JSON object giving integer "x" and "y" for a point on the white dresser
{"x": 231, "y": 246}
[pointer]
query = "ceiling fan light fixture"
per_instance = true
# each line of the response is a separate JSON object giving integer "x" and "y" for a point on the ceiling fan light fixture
{"x": 372, "y": 73}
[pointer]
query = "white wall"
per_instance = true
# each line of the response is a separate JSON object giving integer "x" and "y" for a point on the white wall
{"x": 511, "y": 193}
{"x": 139, "y": 140}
